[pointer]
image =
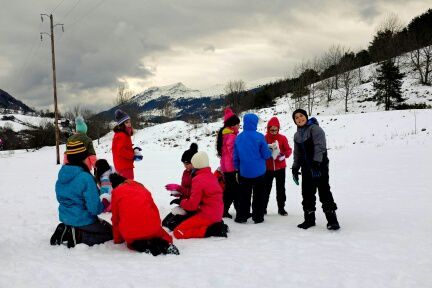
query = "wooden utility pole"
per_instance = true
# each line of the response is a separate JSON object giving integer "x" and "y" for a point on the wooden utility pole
{"x": 57, "y": 131}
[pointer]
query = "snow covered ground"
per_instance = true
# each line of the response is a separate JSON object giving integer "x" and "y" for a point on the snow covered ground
{"x": 380, "y": 174}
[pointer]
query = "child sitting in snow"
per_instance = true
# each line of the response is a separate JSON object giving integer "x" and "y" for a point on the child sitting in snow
{"x": 136, "y": 219}
{"x": 206, "y": 199}
{"x": 102, "y": 172}
{"x": 181, "y": 191}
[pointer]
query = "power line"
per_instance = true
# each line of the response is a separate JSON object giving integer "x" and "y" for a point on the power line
{"x": 70, "y": 10}
{"x": 56, "y": 6}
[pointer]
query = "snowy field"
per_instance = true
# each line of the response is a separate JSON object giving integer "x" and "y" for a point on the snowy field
{"x": 380, "y": 174}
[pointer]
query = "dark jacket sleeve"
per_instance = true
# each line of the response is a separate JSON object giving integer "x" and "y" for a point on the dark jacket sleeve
{"x": 297, "y": 154}
{"x": 319, "y": 142}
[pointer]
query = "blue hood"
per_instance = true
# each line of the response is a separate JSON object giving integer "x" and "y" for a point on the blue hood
{"x": 250, "y": 122}
{"x": 312, "y": 121}
{"x": 68, "y": 173}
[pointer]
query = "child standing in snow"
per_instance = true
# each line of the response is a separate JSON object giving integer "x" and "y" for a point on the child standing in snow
{"x": 250, "y": 154}
{"x": 310, "y": 154}
{"x": 123, "y": 152}
{"x": 181, "y": 191}
{"x": 81, "y": 135}
{"x": 276, "y": 165}
{"x": 79, "y": 202}
{"x": 206, "y": 199}
{"x": 136, "y": 219}
{"x": 225, "y": 150}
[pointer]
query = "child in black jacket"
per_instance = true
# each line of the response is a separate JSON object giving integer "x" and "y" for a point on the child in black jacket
{"x": 310, "y": 154}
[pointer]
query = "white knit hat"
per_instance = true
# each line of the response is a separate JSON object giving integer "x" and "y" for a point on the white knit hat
{"x": 200, "y": 160}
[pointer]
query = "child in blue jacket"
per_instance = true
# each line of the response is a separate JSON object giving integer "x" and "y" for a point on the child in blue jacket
{"x": 79, "y": 202}
{"x": 250, "y": 154}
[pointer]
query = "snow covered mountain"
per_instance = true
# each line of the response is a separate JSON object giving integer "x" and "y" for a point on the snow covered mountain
{"x": 7, "y": 102}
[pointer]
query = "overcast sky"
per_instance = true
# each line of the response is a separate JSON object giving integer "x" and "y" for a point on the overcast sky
{"x": 153, "y": 43}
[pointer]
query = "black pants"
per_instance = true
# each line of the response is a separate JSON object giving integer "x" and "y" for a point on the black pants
{"x": 280, "y": 187}
{"x": 171, "y": 221}
{"x": 96, "y": 233}
{"x": 247, "y": 187}
{"x": 310, "y": 185}
{"x": 231, "y": 190}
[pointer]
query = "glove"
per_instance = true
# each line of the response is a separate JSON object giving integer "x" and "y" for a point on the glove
{"x": 173, "y": 187}
{"x": 137, "y": 152}
{"x": 315, "y": 169}
{"x": 175, "y": 201}
{"x": 281, "y": 157}
{"x": 295, "y": 173}
{"x": 178, "y": 211}
{"x": 106, "y": 199}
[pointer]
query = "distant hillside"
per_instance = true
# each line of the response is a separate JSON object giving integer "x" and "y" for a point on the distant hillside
{"x": 10, "y": 103}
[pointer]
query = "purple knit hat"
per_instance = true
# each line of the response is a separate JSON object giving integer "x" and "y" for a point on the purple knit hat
{"x": 121, "y": 116}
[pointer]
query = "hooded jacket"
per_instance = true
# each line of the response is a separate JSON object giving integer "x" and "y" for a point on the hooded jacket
{"x": 134, "y": 214}
{"x": 206, "y": 196}
{"x": 229, "y": 135}
{"x": 284, "y": 147}
{"x": 309, "y": 145}
{"x": 78, "y": 196}
{"x": 251, "y": 150}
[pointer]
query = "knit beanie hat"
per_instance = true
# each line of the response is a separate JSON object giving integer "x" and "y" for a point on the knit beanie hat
{"x": 187, "y": 155}
{"x": 299, "y": 111}
{"x": 80, "y": 125}
{"x": 101, "y": 166}
{"x": 116, "y": 180}
{"x": 76, "y": 152}
{"x": 200, "y": 160}
{"x": 121, "y": 116}
{"x": 230, "y": 119}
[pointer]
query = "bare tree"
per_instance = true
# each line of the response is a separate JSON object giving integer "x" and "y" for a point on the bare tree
{"x": 168, "y": 110}
{"x": 348, "y": 78}
{"x": 123, "y": 94}
{"x": 234, "y": 89}
{"x": 392, "y": 23}
{"x": 331, "y": 59}
{"x": 421, "y": 60}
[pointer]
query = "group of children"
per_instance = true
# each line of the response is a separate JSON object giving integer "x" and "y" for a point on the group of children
{"x": 249, "y": 161}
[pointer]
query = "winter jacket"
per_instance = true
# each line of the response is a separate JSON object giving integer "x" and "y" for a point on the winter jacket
{"x": 284, "y": 147}
{"x": 78, "y": 196}
{"x": 134, "y": 214}
{"x": 227, "y": 159}
{"x": 206, "y": 196}
{"x": 123, "y": 154}
{"x": 186, "y": 183}
{"x": 309, "y": 145}
{"x": 251, "y": 150}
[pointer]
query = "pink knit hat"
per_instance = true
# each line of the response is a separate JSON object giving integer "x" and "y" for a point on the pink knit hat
{"x": 230, "y": 119}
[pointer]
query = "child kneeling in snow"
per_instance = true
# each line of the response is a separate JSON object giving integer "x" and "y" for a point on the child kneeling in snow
{"x": 136, "y": 219}
{"x": 102, "y": 172}
{"x": 181, "y": 191}
{"x": 206, "y": 198}
{"x": 79, "y": 202}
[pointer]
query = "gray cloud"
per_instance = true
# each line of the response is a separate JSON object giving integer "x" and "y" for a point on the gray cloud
{"x": 157, "y": 42}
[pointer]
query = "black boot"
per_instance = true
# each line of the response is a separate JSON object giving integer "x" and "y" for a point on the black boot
{"x": 72, "y": 236}
{"x": 332, "y": 223}
{"x": 56, "y": 238}
{"x": 309, "y": 220}
{"x": 282, "y": 212}
{"x": 227, "y": 215}
{"x": 219, "y": 229}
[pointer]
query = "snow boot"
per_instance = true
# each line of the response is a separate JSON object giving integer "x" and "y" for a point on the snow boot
{"x": 227, "y": 215}
{"x": 282, "y": 212}
{"x": 332, "y": 223}
{"x": 172, "y": 249}
{"x": 309, "y": 220}
{"x": 218, "y": 229}
{"x": 56, "y": 238}
{"x": 72, "y": 236}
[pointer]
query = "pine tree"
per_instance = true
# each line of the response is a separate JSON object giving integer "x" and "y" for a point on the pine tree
{"x": 388, "y": 85}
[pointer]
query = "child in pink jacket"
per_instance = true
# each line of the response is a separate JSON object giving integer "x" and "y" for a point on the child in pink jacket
{"x": 225, "y": 150}
{"x": 206, "y": 199}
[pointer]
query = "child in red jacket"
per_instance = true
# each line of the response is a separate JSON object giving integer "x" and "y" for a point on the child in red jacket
{"x": 206, "y": 198}
{"x": 136, "y": 220}
{"x": 123, "y": 152}
{"x": 276, "y": 165}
